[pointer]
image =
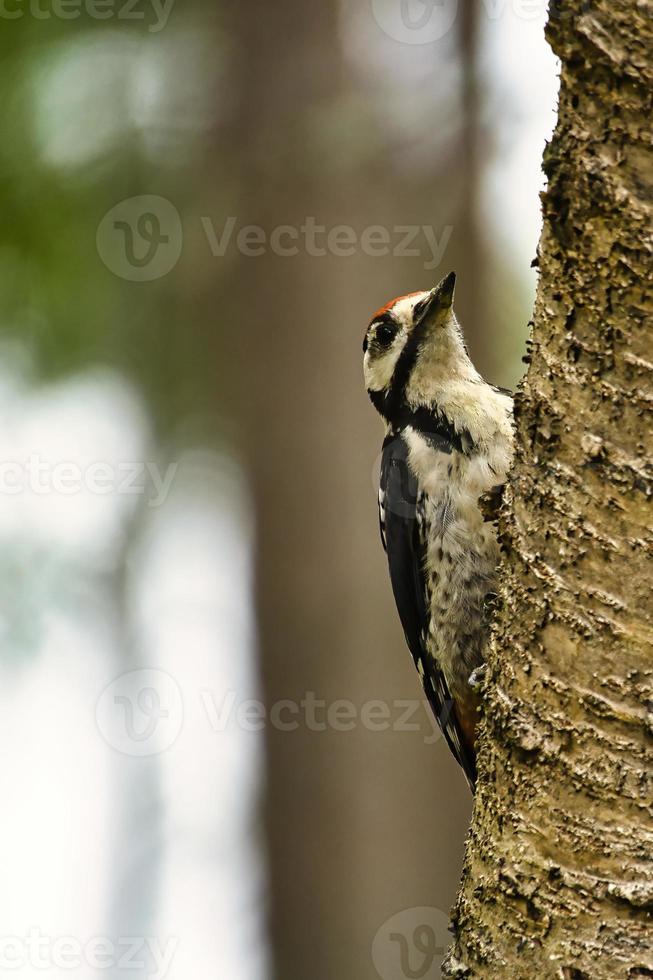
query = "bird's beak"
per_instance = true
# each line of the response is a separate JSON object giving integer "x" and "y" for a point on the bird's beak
{"x": 433, "y": 315}
{"x": 440, "y": 300}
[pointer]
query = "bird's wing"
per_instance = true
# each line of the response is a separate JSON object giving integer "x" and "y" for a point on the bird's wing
{"x": 404, "y": 544}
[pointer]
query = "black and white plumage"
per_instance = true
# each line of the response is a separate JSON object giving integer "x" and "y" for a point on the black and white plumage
{"x": 448, "y": 445}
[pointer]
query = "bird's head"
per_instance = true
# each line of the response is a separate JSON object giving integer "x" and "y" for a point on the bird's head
{"x": 411, "y": 345}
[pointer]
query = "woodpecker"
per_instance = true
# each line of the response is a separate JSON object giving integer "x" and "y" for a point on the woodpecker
{"x": 446, "y": 453}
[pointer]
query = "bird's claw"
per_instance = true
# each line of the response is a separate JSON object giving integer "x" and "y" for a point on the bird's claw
{"x": 477, "y": 677}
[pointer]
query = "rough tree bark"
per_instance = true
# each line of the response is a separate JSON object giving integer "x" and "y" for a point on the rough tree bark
{"x": 558, "y": 878}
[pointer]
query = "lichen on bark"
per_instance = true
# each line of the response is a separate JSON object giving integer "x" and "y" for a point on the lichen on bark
{"x": 558, "y": 878}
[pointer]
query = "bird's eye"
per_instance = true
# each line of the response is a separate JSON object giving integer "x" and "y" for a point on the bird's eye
{"x": 384, "y": 334}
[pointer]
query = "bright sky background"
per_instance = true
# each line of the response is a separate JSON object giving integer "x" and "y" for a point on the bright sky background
{"x": 523, "y": 73}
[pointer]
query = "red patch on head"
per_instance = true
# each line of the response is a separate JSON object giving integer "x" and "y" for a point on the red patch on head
{"x": 388, "y": 306}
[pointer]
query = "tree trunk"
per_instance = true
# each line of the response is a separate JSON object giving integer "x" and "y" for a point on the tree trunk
{"x": 558, "y": 878}
{"x": 335, "y": 799}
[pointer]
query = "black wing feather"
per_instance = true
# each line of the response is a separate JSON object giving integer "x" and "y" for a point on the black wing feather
{"x": 405, "y": 547}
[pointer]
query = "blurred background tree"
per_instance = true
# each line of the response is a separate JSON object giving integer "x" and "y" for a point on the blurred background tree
{"x": 262, "y": 572}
